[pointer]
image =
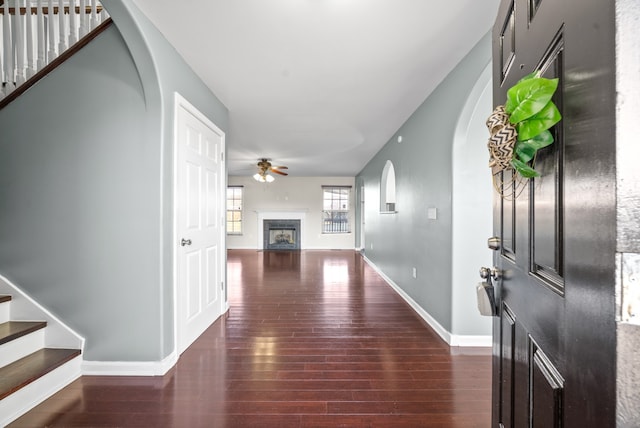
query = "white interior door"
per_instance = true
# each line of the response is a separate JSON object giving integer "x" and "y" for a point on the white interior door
{"x": 199, "y": 240}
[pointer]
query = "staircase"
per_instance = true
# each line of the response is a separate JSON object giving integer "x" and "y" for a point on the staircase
{"x": 30, "y": 371}
{"x": 38, "y": 35}
{"x": 39, "y": 354}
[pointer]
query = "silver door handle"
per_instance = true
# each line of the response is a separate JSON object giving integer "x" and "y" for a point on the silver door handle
{"x": 185, "y": 242}
{"x": 493, "y": 272}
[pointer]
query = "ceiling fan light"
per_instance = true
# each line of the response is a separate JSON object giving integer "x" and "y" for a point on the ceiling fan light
{"x": 263, "y": 178}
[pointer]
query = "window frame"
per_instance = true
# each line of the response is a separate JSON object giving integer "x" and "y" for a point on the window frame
{"x": 240, "y": 210}
{"x": 340, "y": 216}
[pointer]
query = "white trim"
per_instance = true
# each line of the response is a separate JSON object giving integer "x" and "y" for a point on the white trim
{"x": 471, "y": 341}
{"x": 25, "y": 399}
{"x": 442, "y": 332}
{"x": 468, "y": 251}
{"x": 24, "y": 308}
{"x": 129, "y": 368}
{"x": 451, "y": 339}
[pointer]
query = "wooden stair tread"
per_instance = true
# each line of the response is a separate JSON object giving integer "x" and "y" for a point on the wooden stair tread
{"x": 4, "y": 298}
{"x": 12, "y": 330}
{"x": 28, "y": 369}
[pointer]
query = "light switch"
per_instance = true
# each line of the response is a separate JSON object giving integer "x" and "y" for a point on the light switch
{"x": 432, "y": 213}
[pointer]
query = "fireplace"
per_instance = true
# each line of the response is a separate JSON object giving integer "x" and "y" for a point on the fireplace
{"x": 279, "y": 216}
{"x": 281, "y": 234}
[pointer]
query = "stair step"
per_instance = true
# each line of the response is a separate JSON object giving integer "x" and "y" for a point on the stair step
{"x": 5, "y": 298}
{"x": 28, "y": 369}
{"x": 12, "y": 330}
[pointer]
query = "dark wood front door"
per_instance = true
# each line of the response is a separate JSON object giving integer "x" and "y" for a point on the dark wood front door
{"x": 554, "y": 336}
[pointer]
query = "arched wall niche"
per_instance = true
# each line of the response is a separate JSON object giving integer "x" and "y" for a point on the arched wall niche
{"x": 388, "y": 188}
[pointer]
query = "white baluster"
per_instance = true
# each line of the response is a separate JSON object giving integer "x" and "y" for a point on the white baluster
{"x": 73, "y": 26}
{"x": 94, "y": 14}
{"x": 52, "y": 34}
{"x": 29, "y": 20}
{"x": 42, "y": 61}
{"x": 8, "y": 50}
{"x": 83, "y": 18}
{"x": 19, "y": 43}
{"x": 62, "y": 41}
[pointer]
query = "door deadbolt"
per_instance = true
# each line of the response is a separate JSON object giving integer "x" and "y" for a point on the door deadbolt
{"x": 494, "y": 272}
{"x": 494, "y": 243}
{"x": 185, "y": 242}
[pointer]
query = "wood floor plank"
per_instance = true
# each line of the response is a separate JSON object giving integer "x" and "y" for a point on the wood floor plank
{"x": 312, "y": 339}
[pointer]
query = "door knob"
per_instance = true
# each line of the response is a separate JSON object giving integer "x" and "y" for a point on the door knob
{"x": 184, "y": 242}
{"x": 493, "y": 272}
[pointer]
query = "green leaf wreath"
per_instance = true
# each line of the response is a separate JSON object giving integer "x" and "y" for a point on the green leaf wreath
{"x": 531, "y": 112}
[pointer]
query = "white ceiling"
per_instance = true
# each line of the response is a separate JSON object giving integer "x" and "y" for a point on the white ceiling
{"x": 319, "y": 85}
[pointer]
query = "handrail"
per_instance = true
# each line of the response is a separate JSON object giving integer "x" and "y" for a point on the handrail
{"x": 34, "y": 33}
{"x": 55, "y": 63}
{"x": 45, "y": 10}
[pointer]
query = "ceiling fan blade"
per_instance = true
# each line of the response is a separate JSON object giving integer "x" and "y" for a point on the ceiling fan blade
{"x": 279, "y": 167}
{"x": 278, "y": 172}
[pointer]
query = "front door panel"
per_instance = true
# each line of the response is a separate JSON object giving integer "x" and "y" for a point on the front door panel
{"x": 545, "y": 365}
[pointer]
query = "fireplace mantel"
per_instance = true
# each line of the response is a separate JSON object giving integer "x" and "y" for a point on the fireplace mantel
{"x": 280, "y": 215}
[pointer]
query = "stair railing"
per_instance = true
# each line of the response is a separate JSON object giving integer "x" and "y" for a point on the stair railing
{"x": 36, "y": 32}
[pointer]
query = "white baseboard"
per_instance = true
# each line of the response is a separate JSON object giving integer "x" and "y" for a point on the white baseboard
{"x": 451, "y": 339}
{"x": 129, "y": 368}
{"x": 471, "y": 341}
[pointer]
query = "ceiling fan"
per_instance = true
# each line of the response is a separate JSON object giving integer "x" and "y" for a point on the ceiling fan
{"x": 265, "y": 168}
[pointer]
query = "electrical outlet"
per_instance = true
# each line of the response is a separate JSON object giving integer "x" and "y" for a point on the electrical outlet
{"x": 414, "y": 273}
{"x": 371, "y": 245}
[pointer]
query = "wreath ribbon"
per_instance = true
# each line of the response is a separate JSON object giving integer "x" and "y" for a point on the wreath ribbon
{"x": 502, "y": 140}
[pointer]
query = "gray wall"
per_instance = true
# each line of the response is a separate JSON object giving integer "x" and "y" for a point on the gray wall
{"x": 164, "y": 72}
{"x": 86, "y": 188}
{"x": 396, "y": 243}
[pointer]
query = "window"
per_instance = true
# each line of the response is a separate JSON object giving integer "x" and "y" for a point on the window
{"x": 234, "y": 210}
{"x": 335, "y": 214}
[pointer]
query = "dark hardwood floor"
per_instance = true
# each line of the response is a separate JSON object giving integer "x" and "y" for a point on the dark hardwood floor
{"x": 312, "y": 339}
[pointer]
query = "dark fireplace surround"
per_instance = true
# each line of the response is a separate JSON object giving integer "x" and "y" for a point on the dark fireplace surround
{"x": 281, "y": 234}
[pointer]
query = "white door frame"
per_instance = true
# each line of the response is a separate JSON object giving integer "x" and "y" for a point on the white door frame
{"x": 362, "y": 218}
{"x": 181, "y": 102}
